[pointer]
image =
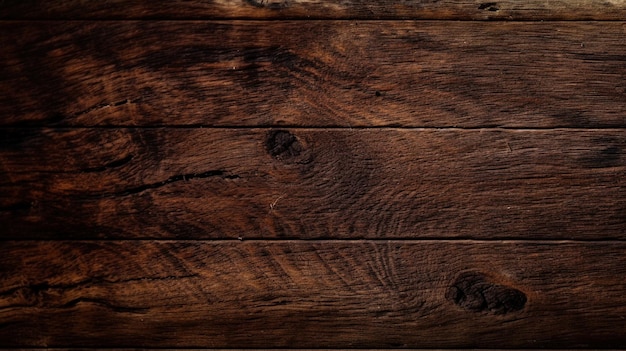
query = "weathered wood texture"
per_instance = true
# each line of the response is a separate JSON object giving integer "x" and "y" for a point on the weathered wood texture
{"x": 312, "y": 183}
{"x": 435, "y": 169}
{"x": 313, "y": 73}
{"x": 317, "y": 9}
{"x": 313, "y": 294}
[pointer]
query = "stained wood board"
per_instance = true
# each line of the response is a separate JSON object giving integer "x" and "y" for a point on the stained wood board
{"x": 312, "y": 183}
{"x": 313, "y": 73}
{"x": 313, "y": 294}
{"x": 317, "y": 9}
{"x": 319, "y": 174}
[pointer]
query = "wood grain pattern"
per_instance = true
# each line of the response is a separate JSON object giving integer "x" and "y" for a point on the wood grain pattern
{"x": 312, "y": 183}
{"x": 317, "y": 9}
{"x": 313, "y": 73}
{"x": 312, "y": 174}
{"x": 312, "y": 294}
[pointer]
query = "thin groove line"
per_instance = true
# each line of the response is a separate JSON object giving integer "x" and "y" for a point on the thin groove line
{"x": 348, "y": 128}
{"x": 311, "y": 19}
{"x": 324, "y": 241}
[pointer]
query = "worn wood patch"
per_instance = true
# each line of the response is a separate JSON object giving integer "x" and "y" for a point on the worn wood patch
{"x": 313, "y": 73}
{"x": 312, "y": 183}
{"x": 312, "y": 294}
{"x": 317, "y": 9}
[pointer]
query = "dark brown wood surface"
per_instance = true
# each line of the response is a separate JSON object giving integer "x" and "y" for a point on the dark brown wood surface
{"x": 313, "y": 294}
{"x": 312, "y": 174}
{"x": 313, "y": 73}
{"x": 317, "y": 9}
{"x": 312, "y": 183}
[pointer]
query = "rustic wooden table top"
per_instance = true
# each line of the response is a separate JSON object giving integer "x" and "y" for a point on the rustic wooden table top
{"x": 313, "y": 174}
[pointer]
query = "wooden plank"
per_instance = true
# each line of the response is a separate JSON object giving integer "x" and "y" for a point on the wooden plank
{"x": 313, "y": 73}
{"x": 317, "y": 9}
{"x": 312, "y": 183}
{"x": 313, "y": 294}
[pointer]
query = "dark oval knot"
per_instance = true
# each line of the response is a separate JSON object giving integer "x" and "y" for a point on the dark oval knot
{"x": 284, "y": 146}
{"x": 475, "y": 292}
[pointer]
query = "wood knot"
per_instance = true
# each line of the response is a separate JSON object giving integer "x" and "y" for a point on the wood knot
{"x": 474, "y": 292}
{"x": 271, "y": 4}
{"x": 489, "y": 6}
{"x": 282, "y": 145}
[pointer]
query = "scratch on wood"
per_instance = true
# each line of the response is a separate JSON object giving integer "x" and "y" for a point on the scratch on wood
{"x": 273, "y": 204}
{"x": 105, "y": 105}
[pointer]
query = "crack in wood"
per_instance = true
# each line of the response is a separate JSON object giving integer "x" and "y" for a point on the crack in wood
{"x": 104, "y": 303}
{"x": 32, "y": 294}
{"x": 181, "y": 177}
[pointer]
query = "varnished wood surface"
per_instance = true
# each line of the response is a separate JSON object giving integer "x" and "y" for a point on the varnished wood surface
{"x": 313, "y": 294}
{"x": 317, "y": 9}
{"x": 313, "y": 73}
{"x": 312, "y": 183}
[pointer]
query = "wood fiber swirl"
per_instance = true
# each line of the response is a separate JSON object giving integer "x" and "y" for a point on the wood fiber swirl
{"x": 312, "y": 174}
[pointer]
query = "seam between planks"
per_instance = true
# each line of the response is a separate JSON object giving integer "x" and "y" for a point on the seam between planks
{"x": 350, "y": 241}
{"x": 301, "y": 19}
{"x": 296, "y": 127}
